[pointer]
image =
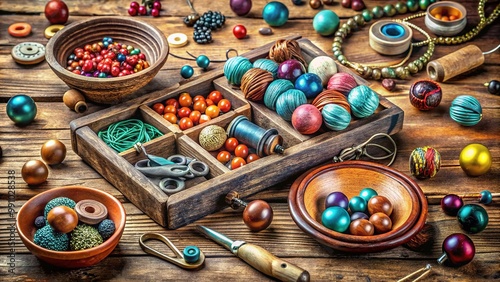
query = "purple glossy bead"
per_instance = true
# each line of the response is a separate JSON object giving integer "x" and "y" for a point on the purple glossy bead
{"x": 96, "y": 73}
{"x": 290, "y": 69}
{"x": 337, "y": 199}
{"x": 459, "y": 249}
{"x": 358, "y": 215}
{"x": 451, "y": 204}
{"x": 241, "y": 7}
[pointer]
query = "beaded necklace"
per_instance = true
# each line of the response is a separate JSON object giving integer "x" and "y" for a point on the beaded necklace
{"x": 378, "y": 72}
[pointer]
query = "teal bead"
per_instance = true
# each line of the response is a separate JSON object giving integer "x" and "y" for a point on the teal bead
{"x": 378, "y": 12}
{"x": 367, "y": 15}
{"x": 423, "y": 4}
{"x": 336, "y": 219}
{"x": 203, "y": 61}
{"x": 191, "y": 254}
{"x": 187, "y": 71}
{"x": 288, "y": 102}
{"x": 389, "y": 10}
{"x": 412, "y": 5}
{"x": 357, "y": 204}
{"x": 486, "y": 197}
{"x": 368, "y": 193}
{"x": 335, "y": 117}
{"x": 401, "y": 8}
{"x": 135, "y": 52}
{"x": 326, "y": 22}
{"x": 466, "y": 110}
{"x": 275, "y": 13}
{"x": 21, "y": 109}
{"x": 268, "y": 65}
{"x": 363, "y": 101}
{"x": 102, "y": 75}
{"x": 274, "y": 90}
{"x": 235, "y": 68}
{"x": 472, "y": 218}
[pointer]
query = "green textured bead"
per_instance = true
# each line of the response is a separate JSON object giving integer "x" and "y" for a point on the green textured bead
{"x": 423, "y": 4}
{"x": 341, "y": 58}
{"x": 359, "y": 20}
{"x": 378, "y": 12}
{"x": 423, "y": 60}
{"x": 346, "y": 27}
{"x": 466, "y": 110}
{"x": 135, "y": 52}
{"x": 367, "y": 15}
{"x": 352, "y": 23}
{"x": 401, "y": 8}
{"x": 389, "y": 10}
{"x": 335, "y": 49}
{"x": 412, "y": 68}
{"x": 337, "y": 53}
{"x": 412, "y": 5}
{"x": 388, "y": 73}
{"x": 419, "y": 64}
{"x": 376, "y": 74}
{"x": 338, "y": 39}
{"x": 402, "y": 73}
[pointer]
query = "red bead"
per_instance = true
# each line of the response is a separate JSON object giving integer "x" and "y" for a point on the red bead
{"x": 239, "y": 31}
{"x": 459, "y": 249}
{"x": 132, "y": 12}
{"x": 258, "y": 215}
{"x": 155, "y": 12}
{"x": 142, "y": 10}
{"x": 134, "y": 5}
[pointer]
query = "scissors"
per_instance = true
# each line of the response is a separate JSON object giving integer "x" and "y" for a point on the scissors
{"x": 191, "y": 257}
{"x": 172, "y": 171}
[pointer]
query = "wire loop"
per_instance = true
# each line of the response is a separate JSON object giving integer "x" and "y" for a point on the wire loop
{"x": 358, "y": 151}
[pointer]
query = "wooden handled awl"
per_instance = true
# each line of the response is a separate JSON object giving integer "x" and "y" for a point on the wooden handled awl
{"x": 258, "y": 257}
{"x": 455, "y": 63}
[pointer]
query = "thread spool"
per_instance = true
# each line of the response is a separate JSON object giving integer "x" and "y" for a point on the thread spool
{"x": 390, "y": 38}
{"x": 266, "y": 142}
{"x": 74, "y": 100}
{"x": 454, "y": 63}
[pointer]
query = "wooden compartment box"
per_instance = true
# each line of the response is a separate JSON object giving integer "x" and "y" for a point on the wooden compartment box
{"x": 206, "y": 195}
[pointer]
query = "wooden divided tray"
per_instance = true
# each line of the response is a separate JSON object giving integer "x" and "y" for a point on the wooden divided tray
{"x": 206, "y": 195}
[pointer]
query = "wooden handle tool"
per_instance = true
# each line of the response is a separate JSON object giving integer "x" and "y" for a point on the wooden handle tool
{"x": 259, "y": 258}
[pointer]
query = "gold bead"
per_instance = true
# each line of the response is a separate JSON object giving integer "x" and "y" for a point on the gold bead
{"x": 424, "y": 60}
{"x": 388, "y": 73}
{"x": 440, "y": 40}
{"x": 376, "y": 74}
{"x": 346, "y": 27}
{"x": 359, "y": 20}
{"x": 419, "y": 64}
{"x": 351, "y": 23}
{"x": 412, "y": 68}
{"x": 447, "y": 40}
{"x": 402, "y": 73}
{"x": 338, "y": 39}
{"x": 340, "y": 34}
{"x": 367, "y": 71}
{"x": 336, "y": 44}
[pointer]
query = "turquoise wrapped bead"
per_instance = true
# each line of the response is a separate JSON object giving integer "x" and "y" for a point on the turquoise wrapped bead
{"x": 288, "y": 102}
{"x": 335, "y": 117}
{"x": 274, "y": 90}
{"x": 363, "y": 101}
{"x": 268, "y": 65}
{"x": 235, "y": 68}
{"x": 466, "y": 110}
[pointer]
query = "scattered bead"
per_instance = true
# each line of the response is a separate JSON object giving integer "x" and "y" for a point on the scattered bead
{"x": 265, "y": 31}
{"x": 425, "y": 162}
{"x": 52, "y": 30}
{"x": 275, "y": 13}
{"x": 241, "y": 7}
{"x": 28, "y": 53}
{"x": 451, "y": 204}
{"x": 466, "y": 110}
{"x": 472, "y": 218}
{"x": 425, "y": 94}
{"x": 187, "y": 71}
{"x": 53, "y": 152}
{"x": 203, "y": 61}
{"x": 34, "y": 172}
{"x": 239, "y": 31}
{"x": 176, "y": 40}
{"x": 191, "y": 254}
{"x": 475, "y": 159}
{"x": 258, "y": 215}
{"x": 75, "y": 100}
{"x": 21, "y": 109}
{"x": 493, "y": 87}
{"x": 204, "y": 25}
{"x": 19, "y": 29}
{"x": 315, "y": 4}
{"x": 389, "y": 84}
{"x": 326, "y": 22}
{"x": 357, "y": 5}
{"x": 458, "y": 250}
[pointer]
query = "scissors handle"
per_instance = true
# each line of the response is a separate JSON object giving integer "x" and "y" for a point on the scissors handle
{"x": 177, "y": 260}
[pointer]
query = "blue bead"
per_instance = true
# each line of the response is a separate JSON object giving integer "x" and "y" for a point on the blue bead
{"x": 368, "y": 193}
{"x": 336, "y": 219}
{"x": 335, "y": 117}
{"x": 102, "y": 75}
{"x": 486, "y": 197}
{"x": 326, "y": 22}
{"x": 203, "y": 61}
{"x": 357, "y": 204}
{"x": 21, "y": 109}
{"x": 466, "y": 110}
{"x": 472, "y": 218}
{"x": 363, "y": 101}
{"x": 275, "y": 13}
{"x": 121, "y": 57}
{"x": 187, "y": 71}
{"x": 191, "y": 254}
{"x": 310, "y": 84}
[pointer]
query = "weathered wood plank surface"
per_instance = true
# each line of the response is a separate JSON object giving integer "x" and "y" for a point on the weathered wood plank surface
{"x": 128, "y": 262}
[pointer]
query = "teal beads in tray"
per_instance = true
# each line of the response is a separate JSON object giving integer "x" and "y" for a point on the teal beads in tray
{"x": 268, "y": 65}
{"x": 235, "y": 68}
{"x": 363, "y": 101}
{"x": 466, "y": 110}
{"x": 335, "y": 117}
{"x": 274, "y": 90}
{"x": 288, "y": 102}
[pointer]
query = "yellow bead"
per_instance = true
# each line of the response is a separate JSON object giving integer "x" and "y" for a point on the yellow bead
{"x": 475, "y": 159}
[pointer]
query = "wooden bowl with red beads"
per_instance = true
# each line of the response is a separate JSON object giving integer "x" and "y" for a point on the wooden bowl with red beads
{"x": 34, "y": 207}
{"x": 114, "y": 88}
{"x": 307, "y": 202}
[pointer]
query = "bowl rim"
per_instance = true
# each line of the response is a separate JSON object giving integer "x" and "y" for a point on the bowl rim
{"x": 451, "y": 4}
{"x": 353, "y": 246}
{"x": 310, "y": 175}
{"x": 74, "y": 255}
{"x": 74, "y": 27}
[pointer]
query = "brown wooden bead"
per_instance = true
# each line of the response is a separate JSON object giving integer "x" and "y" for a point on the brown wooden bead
{"x": 328, "y": 2}
{"x": 75, "y": 100}
{"x": 258, "y": 215}
{"x": 315, "y": 4}
{"x": 381, "y": 222}
{"x": 34, "y": 172}
{"x": 53, "y": 152}
{"x": 62, "y": 219}
{"x": 361, "y": 227}
{"x": 91, "y": 211}
{"x": 380, "y": 204}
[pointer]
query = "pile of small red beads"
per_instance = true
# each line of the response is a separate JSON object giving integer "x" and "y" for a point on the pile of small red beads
{"x": 136, "y": 9}
{"x": 235, "y": 154}
{"x": 187, "y": 111}
{"x": 106, "y": 59}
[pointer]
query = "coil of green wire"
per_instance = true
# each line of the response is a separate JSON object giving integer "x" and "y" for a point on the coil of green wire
{"x": 122, "y": 135}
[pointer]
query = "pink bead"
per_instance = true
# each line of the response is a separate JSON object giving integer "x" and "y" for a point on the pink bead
{"x": 342, "y": 82}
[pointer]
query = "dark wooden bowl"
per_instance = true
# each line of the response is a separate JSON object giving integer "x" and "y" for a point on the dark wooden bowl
{"x": 149, "y": 39}
{"x": 307, "y": 202}
{"x": 70, "y": 259}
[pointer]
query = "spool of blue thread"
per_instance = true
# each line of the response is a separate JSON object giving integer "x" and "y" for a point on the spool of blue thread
{"x": 288, "y": 102}
{"x": 235, "y": 68}
{"x": 363, "y": 101}
{"x": 335, "y": 117}
{"x": 268, "y": 65}
{"x": 274, "y": 90}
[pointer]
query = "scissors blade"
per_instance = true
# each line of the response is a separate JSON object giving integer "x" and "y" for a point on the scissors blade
{"x": 215, "y": 236}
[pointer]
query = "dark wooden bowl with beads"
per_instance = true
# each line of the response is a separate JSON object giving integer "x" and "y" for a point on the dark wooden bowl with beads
{"x": 70, "y": 259}
{"x": 124, "y": 30}
{"x": 308, "y": 193}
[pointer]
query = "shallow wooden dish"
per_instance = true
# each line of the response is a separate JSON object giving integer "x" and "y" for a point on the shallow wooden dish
{"x": 149, "y": 39}
{"x": 308, "y": 193}
{"x": 70, "y": 259}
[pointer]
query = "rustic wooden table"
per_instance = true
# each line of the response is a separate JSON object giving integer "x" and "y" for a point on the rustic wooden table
{"x": 284, "y": 239}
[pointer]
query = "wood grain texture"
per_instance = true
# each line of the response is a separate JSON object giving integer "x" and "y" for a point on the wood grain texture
{"x": 284, "y": 239}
